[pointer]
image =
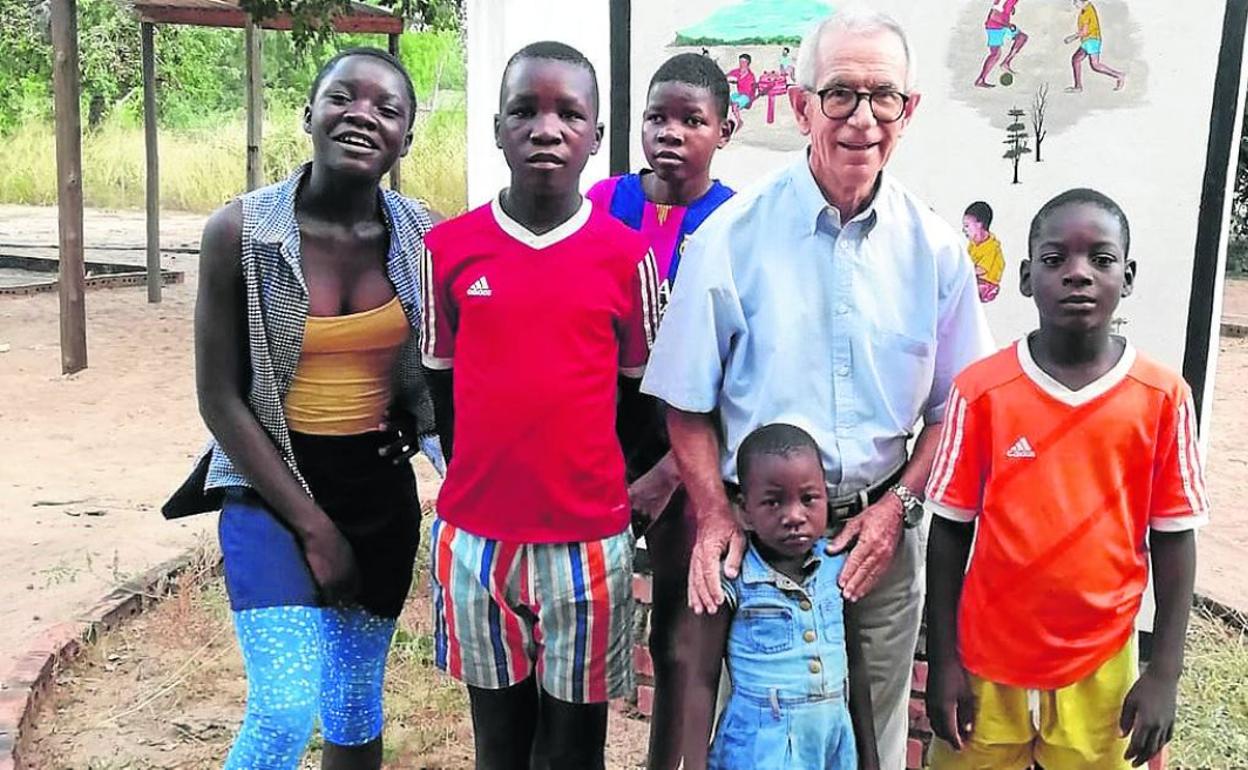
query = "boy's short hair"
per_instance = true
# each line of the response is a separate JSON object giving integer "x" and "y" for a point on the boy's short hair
{"x": 552, "y": 50}
{"x": 1081, "y": 195}
{"x": 375, "y": 53}
{"x": 778, "y": 438}
{"x": 695, "y": 70}
{"x": 981, "y": 212}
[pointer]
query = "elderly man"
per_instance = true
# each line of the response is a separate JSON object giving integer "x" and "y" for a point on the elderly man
{"x": 831, "y": 298}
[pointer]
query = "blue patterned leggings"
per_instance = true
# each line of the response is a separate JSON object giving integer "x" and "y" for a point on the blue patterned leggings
{"x": 305, "y": 661}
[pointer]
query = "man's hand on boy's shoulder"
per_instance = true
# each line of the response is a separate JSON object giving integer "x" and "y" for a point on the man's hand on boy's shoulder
{"x": 872, "y": 537}
{"x": 1148, "y": 715}
{"x": 717, "y": 552}
{"x": 950, "y": 702}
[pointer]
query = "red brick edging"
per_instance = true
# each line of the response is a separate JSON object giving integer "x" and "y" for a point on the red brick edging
{"x": 27, "y": 683}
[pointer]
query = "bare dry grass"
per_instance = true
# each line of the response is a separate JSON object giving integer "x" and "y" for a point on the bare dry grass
{"x": 168, "y": 691}
{"x": 201, "y": 169}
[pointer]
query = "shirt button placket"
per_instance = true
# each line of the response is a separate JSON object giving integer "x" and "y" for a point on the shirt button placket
{"x": 815, "y": 666}
{"x": 842, "y": 354}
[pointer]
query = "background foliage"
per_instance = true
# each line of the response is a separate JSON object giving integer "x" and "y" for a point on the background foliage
{"x": 200, "y": 106}
{"x": 200, "y": 70}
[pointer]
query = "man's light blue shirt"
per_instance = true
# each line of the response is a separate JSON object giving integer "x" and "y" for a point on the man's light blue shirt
{"x": 852, "y": 332}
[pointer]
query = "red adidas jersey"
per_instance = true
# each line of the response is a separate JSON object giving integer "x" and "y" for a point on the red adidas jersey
{"x": 537, "y": 328}
{"x": 1065, "y": 485}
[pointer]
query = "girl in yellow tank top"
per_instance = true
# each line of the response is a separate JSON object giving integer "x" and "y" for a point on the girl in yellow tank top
{"x": 296, "y": 375}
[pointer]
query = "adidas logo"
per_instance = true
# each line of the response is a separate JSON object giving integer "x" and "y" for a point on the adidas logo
{"x": 480, "y": 288}
{"x": 1021, "y": 449}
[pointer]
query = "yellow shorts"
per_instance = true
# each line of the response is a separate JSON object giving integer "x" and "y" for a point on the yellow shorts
{"x": 1073, "y": 728}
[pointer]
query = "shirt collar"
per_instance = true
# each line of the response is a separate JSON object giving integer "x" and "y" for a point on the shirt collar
{"x": 1087, "y": 393}
{"x": 755, "y": 569}
{"x": 280, "y": 226}
{"x": 812, "y": 205}
{"x": 540, "y": 241}
{"x": 276, "y": 224}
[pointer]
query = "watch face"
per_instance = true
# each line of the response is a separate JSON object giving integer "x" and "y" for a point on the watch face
{"x": 913, "y": 513}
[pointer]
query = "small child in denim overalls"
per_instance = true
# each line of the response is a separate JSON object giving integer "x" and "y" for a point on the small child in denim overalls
{"x": 800, "y": 694}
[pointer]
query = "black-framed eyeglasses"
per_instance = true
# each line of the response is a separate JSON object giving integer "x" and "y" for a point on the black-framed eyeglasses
{"x": 839, "y": 102}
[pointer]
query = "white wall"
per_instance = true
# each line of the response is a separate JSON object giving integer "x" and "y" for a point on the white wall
{"x": 496, "y": 30}
{"x": 1145, "y": 146}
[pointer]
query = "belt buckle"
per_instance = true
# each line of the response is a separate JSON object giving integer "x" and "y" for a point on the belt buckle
{"x": 850, "y": 508}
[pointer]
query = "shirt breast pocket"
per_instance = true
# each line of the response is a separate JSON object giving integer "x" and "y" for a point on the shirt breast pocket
{"x": 832, "y": 619}
{"x": 903, "y": 366}
{"x": 769, "y": 629}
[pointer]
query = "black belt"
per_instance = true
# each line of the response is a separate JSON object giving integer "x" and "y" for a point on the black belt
{"x": 851, "y": 505}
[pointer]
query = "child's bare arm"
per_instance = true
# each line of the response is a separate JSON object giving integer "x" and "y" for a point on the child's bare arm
{"x": 1148, "y": 712}
{"x": 860, "y": 713}
{"x": 441, "y": 388}
{"x": 950, "y": 705}
{"x": 701, "y": 690}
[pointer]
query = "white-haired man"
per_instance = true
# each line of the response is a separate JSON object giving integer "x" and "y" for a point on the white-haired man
{"x": 831, "y": 298}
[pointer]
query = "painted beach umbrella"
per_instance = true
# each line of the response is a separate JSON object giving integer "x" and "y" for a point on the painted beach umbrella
{"x": 756, "y": 22}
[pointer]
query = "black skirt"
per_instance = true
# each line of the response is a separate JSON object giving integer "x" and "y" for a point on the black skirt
{"x": 373, "y": 503}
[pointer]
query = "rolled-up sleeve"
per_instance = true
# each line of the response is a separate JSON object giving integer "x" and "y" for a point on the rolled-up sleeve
{"x": 698, "y": 329}
{"x": 962, "y": 334}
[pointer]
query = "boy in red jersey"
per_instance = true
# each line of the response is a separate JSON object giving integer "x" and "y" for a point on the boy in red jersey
{"x": 537, "y": 302}
{"x": 1067, "y": 458}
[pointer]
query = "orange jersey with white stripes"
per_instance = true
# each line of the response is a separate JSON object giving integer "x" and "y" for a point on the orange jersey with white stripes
{"x": 1064, "y": 486}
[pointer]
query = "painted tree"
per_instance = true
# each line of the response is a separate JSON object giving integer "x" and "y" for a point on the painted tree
{"x": 1016, "y": 140}
{"x": 1039, "y": 103}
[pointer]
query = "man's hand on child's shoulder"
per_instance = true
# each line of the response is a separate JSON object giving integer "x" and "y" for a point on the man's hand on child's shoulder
{"x": 1148, "y": 715}
{"x": 950, "y": 702}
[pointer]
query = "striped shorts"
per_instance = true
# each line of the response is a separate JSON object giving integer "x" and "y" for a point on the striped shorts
{"x": 501, "y": 609}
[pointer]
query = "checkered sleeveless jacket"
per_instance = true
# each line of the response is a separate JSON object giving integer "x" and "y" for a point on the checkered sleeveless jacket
{"x": 277, "y": 310}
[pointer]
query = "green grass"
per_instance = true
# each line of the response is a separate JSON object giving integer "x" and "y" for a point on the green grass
{"x": 1212, "y": 725}
{"x": 1237, "y": 258}
{"x": 202, "y": 169}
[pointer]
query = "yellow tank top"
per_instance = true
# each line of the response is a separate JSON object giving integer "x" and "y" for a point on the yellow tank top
{"x": 342, "y": 385}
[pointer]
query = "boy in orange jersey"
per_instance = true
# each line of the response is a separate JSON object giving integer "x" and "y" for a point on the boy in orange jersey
{"x": 1066, "y": 459}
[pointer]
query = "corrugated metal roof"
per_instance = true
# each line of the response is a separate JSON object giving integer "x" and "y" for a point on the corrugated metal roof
{"x": 227, "y": 13}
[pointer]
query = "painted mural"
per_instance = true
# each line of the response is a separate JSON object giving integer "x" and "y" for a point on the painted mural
{"x": 755, "y": 43}
{"x": 1035, "y": 68}
{"x": 1021, "y": 99}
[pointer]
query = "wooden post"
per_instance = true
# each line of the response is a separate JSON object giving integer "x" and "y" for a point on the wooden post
{"x": 154, "y": 281}
{"x": 72, "y": 280}
{"x": 396, "y": 173}
{"x": 255, "y": 102}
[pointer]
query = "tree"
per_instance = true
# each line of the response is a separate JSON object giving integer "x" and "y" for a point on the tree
{"x": 310, "y": 18}
{"x": 1016, "y": 140}
{"x": 1039, "y": 103}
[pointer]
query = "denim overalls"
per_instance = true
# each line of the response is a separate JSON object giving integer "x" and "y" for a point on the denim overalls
{"x": 789, "y": 670}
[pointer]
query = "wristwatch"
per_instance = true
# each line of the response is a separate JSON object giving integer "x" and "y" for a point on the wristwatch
{"x": 911, "y": 506}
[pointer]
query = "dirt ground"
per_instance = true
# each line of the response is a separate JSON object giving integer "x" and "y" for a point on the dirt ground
{"x": 168, "y": 691}
{"x": 1223, "y": 545}
{"x": 89, "y": 458}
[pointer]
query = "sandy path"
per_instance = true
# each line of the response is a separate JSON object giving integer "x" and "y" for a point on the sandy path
{"x": 86, "y": 460}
